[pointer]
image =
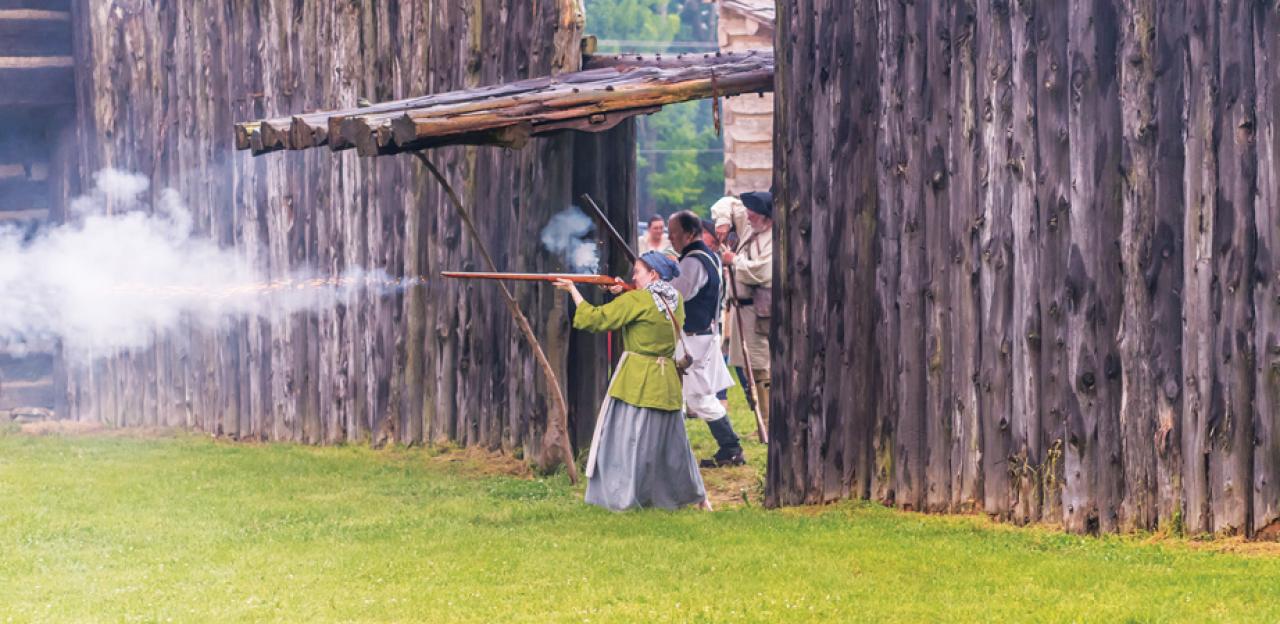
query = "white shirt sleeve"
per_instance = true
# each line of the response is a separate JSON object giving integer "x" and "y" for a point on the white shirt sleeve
{"x": 691, "y": 279}
{"x": 731, "y": 211}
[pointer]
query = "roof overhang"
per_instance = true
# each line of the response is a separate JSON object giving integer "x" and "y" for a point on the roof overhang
{"x": 608, "y": 90}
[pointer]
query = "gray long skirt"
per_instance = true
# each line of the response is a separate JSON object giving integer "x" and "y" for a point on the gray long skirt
{"x": 643, "y": 459}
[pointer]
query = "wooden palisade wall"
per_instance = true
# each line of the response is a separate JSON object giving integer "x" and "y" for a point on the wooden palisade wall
{"x": 36, "y": 107}
{"x": 1029, "y": 260}
{"x": 443, "y": 362}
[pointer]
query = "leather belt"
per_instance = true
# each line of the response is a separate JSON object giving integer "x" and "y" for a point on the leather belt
{"x": 746, "y": 302}
{"x": 703, "y": 332}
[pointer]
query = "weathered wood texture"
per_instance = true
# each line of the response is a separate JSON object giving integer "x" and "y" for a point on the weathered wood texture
{"x": 35, "y": 58}
{"x": 1026, "y": 260}
{"x": 36, "y": 90}
{"x": 439, "y": 362}
{"x": 508, "y": 114}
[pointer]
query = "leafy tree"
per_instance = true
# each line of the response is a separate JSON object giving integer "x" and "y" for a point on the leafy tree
{"x": 681, "y": 158}
{"x": 685, "y": 159}
{"x": 632, "y": 20}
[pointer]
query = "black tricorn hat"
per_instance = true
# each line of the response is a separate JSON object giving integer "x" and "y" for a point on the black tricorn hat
{"x": 759, "y": 202}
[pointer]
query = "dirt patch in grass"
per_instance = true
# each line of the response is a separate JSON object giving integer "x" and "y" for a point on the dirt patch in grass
{"x": 1232, "y": 545}
{"x": 474, "y": 461}
{"x": 734, "y": 487}
{"x": 86, "y": 428}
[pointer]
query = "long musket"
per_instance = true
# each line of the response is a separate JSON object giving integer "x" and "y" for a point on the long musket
{"x": 613, "y": 232}
{"x": 577, "y": 278}
{"x": 604, "y": 223}
{"x": 742, "y": 342}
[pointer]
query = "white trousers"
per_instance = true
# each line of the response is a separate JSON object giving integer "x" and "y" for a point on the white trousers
{"x": 706, "y": 376}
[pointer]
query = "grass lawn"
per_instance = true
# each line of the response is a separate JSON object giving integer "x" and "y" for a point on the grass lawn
{"x": 109, "y": 528}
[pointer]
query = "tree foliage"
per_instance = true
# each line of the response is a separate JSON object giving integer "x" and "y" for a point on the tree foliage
{"x": 681, "y": 158}
{"x": 632, "y": 20}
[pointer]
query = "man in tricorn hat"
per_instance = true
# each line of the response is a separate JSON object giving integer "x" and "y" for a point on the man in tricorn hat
{"x": 751, "y": 265}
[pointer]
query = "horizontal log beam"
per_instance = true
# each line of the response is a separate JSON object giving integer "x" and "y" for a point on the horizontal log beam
{"x": 33, "y": 32}
{"x": 668, "y": 60}
{"x": 36, "y": 393}
{"x": 44, "y": 5}
{"x": 38, "y": 171}
{"x": 36, "y": 80}
{"x": 609, "y": 89}
{"x": 10, "y": 217}
{"x": 561, "y": 104}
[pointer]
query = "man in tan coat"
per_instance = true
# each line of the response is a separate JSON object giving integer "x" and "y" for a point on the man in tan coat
{"x": 751, "y": 265}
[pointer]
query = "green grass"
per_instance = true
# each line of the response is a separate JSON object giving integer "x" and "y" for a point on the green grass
{"x": 188, "y": 529}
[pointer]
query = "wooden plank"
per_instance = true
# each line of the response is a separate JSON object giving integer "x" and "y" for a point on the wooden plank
{"x": 36, "y": 62}
{"x": 966, "y": 454}
{"x": 788, "y": 474}
{"x": 853, "y": 235}
{"x": 1080, "y": 497}
{"x": 1106, "y": 226}
{"x": 1201, "y": 182}
{"x": 1231, "y": 417}
{"x": 929, "y": 173}
{"x": 996, "y": 244}
{"x": 890, "y": 154}
{"x": 911, "y": 438}
{"x": 1266, "y": 460}
{"x": 39, "y": 215}
{"x": 1166, "y": 270}
{"x": 44, "y": 5}
{"x": 1136, "y": 341}
{"x": 34, "y": 15}
{"x": 1026, "y": 454}
{"x": 668, "y": 61}
{"x": 30, "y": 32}
{"x": 1054, "y": 172}
{"x": 38, "y": 393}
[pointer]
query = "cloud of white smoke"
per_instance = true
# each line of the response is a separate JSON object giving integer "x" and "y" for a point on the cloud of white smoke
{"x": 109, "y": 283}
{"x": 567, "y": 235}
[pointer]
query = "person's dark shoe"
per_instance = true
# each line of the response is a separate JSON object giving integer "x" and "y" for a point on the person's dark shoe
{"x": 737, "y": 459}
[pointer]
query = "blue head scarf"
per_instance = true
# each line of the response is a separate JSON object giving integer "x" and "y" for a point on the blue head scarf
{"x": 666, "y": 268}
{"x": 664, "y": 294}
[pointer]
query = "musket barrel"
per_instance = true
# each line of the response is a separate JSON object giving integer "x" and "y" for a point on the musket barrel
{"x": 600, "y": 280}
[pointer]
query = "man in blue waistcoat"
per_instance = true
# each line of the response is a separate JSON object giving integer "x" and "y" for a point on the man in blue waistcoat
{"x": 701, "y": 285}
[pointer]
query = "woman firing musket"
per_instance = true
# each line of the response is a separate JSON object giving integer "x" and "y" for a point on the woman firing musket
{"x": 640, "y": 454}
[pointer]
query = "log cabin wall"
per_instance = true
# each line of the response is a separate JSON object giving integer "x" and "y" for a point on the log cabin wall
{"x": 745, "y": 25}
{"x": 37, "y": 103}
{"x": 1029, "y": 260}
{"x": 162, "y": 84}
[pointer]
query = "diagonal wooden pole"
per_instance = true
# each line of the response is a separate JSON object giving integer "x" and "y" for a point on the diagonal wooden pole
{"x": 556, "y": 436}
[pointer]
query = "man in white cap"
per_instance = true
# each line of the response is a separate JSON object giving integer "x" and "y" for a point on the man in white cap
{"x": 751, "y": 265}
